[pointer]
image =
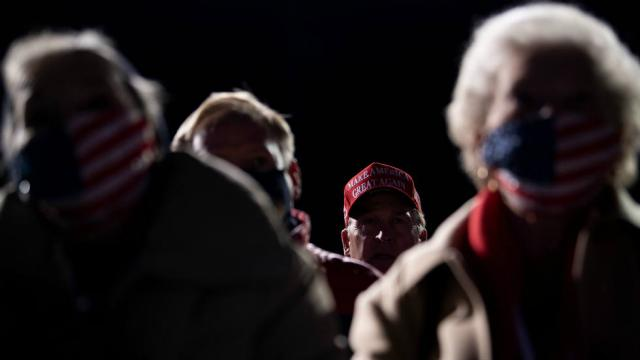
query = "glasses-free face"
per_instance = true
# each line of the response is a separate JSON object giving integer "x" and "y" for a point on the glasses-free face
{"x": 247, "y": 145}
{"x": 553, "y": 80}
{"x": 62, "y": 86}
{"x": 240, "y": 141}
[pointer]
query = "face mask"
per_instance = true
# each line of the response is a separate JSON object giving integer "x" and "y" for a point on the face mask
{"x": 299, "y": 226}
{"x": 551, "y": 163}
{"x": 275, "y": 184}
{"x": 88, "y": 173}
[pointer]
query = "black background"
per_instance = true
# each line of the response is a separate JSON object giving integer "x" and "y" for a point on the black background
{"x": 362, "y": 80}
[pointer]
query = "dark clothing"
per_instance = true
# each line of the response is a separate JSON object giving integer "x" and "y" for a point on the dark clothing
{"x": 347, "y": 278}
{"x": 198, "y": 272}
{"x": 431, "y": 305}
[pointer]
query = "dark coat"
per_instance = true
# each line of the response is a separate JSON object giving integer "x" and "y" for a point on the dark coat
{"x": 200, "y": 271}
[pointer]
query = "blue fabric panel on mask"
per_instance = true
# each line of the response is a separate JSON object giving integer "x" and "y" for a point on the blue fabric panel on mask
{"x": 524, "y": 147}
{"x": 49, "y": 163}
{"x": 274, "y": 183}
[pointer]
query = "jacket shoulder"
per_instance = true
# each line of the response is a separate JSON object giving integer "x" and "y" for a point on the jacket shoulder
{"x": 340, "y": 263}
{"x": 212, "y": 224}
{"x": 401, "y": 316}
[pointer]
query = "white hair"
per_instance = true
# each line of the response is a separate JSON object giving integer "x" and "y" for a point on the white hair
{"x": 237, "y": 102}
{"x": 531, "y": 27}
{"x": 24, "y": 52}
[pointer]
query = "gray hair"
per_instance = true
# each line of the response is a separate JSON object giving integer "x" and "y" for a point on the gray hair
{"x": 32, "y": 48}
{"x": 531, "y": 27}
{"x": 237, "y": 102}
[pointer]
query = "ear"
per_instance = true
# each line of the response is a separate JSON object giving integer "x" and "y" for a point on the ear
{"x": 423, "y": 235}
{"x": 344, "y": 235}
{"x": 296, "y": 179}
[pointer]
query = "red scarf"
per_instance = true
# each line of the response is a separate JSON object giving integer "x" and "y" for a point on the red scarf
{"x": 497, "y": 258}
{"x": 301, "y": 232}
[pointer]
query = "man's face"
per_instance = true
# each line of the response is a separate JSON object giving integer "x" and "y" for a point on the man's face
{"x": 381, "y": 229}
{"x": 245, "y": 144}
{"x": 240, "y": 141}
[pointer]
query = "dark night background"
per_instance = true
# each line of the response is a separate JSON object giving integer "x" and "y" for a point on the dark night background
{"x": 362, "y": 80}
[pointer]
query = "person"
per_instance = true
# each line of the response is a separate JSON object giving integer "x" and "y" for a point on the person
{"x": 383, "y": 215}
{"x": 544, "y": 261}
{"x": 237, "y": 127}
{"x": 113, "y": 248}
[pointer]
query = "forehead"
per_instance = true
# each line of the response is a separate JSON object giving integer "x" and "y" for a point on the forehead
{"x": 382, "y": 199}
{"x": 70, "y": 82}
{"x": 548, "y": 70}
{"x": 233, "y": 129}
{"x": 69, "y": 71}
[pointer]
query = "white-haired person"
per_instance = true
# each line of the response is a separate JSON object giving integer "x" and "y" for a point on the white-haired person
{"x": 544, "y": 263}
{"x": 106, "y": 239}
{"x": 237, "y": 127}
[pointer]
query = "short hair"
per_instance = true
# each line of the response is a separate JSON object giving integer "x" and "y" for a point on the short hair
{"x": 532, "y": 27}
{"x": 221, "y": 104}
{"x": 31, "y": 49}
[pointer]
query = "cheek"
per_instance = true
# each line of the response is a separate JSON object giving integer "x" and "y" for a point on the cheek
{"x": 357, "y": 244}
{"x": 500, "y": 112}
{"x": 407, "y": 238}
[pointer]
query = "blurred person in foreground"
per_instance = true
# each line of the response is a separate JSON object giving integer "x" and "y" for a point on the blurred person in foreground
{"x": 545, "y": 261}
{"x": 237, "y": 127}
{"x": 382, "y": 215}
{"x": 107, "y": 240}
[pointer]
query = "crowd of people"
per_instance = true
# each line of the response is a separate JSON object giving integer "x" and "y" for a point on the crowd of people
{"x": 121, "y": 240}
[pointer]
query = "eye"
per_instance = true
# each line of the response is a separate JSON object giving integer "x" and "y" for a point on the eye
{"x": 365, "y": 220}
{"x": 400, "y": 219}
{"x": 262, "y": 163}
{"x": 367, "y": 229}
{"x": 39, "y": 118}
{"x": 96, "y": 103}
{"x": 577, "y": 101}
{"x": 525, "y": 100}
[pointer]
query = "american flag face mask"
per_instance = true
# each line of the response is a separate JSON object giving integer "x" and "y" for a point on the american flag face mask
{"x": 89, "y": 173}
{"x": 552, "y": 164}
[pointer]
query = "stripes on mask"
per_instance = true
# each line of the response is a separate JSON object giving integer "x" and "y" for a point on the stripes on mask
{"x": 114, "y": 150}
{"x": 585, "y": 150}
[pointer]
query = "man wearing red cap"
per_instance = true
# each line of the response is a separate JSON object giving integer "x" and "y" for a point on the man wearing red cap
{"x": 382, "y": 215}
{"x": 237, "y": 127}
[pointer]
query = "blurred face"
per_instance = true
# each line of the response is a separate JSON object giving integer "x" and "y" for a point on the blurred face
{"x": 64, "y": 85}
{"x": 555, "y": 143}
{"x": 555, "y": 80}
{"x": 245, "y": 144}
{"x": 242, "y": 142}
{"x": 85, "y": 148}
{"x": 381, "y": 229}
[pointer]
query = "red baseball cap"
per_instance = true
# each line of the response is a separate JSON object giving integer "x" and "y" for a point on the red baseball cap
{"x": 379, "y": 176}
